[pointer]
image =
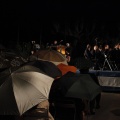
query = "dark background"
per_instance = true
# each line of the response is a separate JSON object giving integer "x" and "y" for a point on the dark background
{"x": 33, "y": 20}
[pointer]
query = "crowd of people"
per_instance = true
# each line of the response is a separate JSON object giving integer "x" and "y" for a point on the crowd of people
{"x": 81, "y": 105}
{"x": 103, "y": 57}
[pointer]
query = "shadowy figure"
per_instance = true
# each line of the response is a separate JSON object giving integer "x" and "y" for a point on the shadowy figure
{"x": 57, "y": 95}
{"x": 95, "y": 103}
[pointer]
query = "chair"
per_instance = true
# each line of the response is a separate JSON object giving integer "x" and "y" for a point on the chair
{"x": 64, "y": 109}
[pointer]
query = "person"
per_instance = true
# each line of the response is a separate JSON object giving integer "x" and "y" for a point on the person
{"x": 107, "y": 49}
{"x": 45, "y": 104}
{"x": 96, "y": 57}
{"x": 115, "y": 55}
{"x": 87, "y": 52}
{"x": 35, "y": 111}
{"x": 55, "y": 45}
{"x": 37, "y": 47}
{"x": 68, "y": 51}
{"x": 96, "y": 101}
{"x": 107, "y": 57}
{"x": 56, "y": 95}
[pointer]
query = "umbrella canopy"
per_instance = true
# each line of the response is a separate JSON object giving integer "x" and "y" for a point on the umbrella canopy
{"x": 83, "y": 63}
{"x": 47, "y": 67}
{"x": 49, "y": 55}
{"x": 66, "y": 68}
{"x": 9, "y": 58}
{"x": 2, "y": 69}
{"x": 23, "y": 89}
{"x": 75, "y": 86}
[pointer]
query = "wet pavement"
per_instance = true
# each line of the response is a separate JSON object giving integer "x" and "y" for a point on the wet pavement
{"x": 110, "y": 107}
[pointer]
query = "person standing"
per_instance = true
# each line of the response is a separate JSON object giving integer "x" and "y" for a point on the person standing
{"x": 96, "y": 57}
{"x": 42, "y": 107}
{"x": 87, "y": 52}
{"x": 96, "y": 101}
{"x": 54, "y": 46}
{"x": 68, "y": 51}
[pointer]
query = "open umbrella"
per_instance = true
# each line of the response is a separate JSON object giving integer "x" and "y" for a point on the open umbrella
{"x": 49, "y": 55}
{"x": 10, "y": 58}
{"x": 47, "y": 67}
{"x": 23, "y": 89}
{"x": 75, "y": 86}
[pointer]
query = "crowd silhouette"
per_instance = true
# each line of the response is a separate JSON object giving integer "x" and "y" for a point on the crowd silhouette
{"x": 104, "y": 56}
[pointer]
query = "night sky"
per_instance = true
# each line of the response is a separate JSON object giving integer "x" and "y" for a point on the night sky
{"x": 28, "y": 17}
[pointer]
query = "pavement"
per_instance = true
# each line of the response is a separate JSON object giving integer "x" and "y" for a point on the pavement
{"x": 109, "y": 108}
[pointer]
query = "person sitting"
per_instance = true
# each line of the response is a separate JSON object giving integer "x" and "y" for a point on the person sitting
{"x": 56, "y": 95}
{"x": 36, "y": 111}
{"x": 45, "y": 104}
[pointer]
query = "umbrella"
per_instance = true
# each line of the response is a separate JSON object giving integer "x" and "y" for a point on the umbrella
{"x": 47, "y": 67}
{"x": 9, "y": 58}
{"x": 83, "y": 63}
{"x": 2, "y": 69}
{"x": 75, "y": 86}
{"x": 66, "y": 68}
{"x": 23, "y": 89}
{"x": 49, "y": 55}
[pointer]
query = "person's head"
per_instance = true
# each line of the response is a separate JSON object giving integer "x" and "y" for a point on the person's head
{"x": 68, "y": 44}
{"x": 107, "y": 47}
{"x": 95, "y": 47}
{"x": 100, "y": 48}
{"x": 55, "y": 42}
{"x": 116, "y": 46}
{"x": 119, "y": 46}
{"x": 88, "y": 46}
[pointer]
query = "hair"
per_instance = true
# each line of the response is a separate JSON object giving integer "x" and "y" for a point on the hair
{"x": 88, "y": 45}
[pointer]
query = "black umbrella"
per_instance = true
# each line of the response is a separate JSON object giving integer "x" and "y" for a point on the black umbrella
{"x": 10, "y": 58}
{"x": 47, "y": 67}
{"x": 75, "y": 86}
